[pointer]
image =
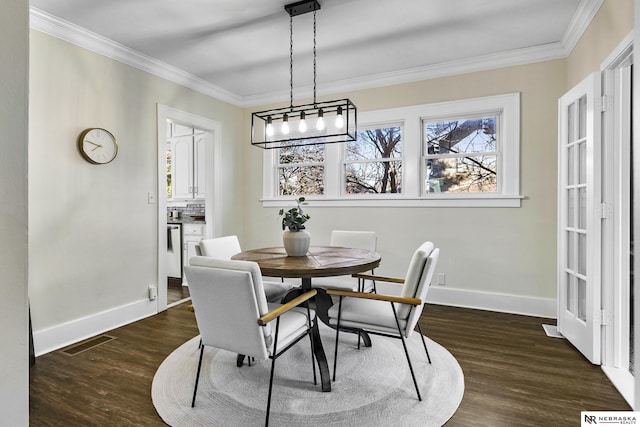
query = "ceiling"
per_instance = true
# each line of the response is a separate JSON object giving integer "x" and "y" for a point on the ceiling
{"x": 240, "y": 48}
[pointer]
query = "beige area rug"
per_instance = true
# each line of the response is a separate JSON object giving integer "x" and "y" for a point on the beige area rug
{"x": 373, "y": 386}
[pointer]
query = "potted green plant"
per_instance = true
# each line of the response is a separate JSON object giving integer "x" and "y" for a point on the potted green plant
{"x": 296, "y": 239}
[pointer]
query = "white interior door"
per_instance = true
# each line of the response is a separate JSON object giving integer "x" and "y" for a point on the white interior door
{"x": 579, "y": 217}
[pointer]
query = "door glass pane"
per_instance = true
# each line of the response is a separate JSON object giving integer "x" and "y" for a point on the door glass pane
{"x": 582, "y": 299}
{"x": 582, "y": 163}
{"x": 571, "y": 207}
{"x": 582, "y": 117}
{"x": 571, "y": 164}
{"x": 582, "y": 254}
{"x": 570, "y": 250}
{"x": 569, "y": 285}
{"x": 571, "y": 123}
{"x": 582, "y": 211}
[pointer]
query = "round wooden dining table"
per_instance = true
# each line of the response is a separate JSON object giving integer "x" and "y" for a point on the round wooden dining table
{"x": 320, "y": 261}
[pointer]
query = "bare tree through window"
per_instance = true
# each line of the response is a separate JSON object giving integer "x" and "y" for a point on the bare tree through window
{"x": 461, "y": 155}
{"x": 373, "y": 163}
{"x": 301, "y": 170}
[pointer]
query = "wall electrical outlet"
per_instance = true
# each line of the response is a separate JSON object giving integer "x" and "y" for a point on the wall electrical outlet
{"x": 153, "y": 292}
{"x": 442, "y": 279}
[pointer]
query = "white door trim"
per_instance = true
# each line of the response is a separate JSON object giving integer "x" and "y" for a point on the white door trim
{"x": 616, "y": 133}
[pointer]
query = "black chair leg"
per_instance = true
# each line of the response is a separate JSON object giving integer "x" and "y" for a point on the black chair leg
{"x": 335, "y": 356}
{"x": 313, "y": 350}
{"x": 406, "y": 352}
{"x": 273, "y": 366}
{"x": 423, "y": 343}
{"x": 195, "y": 387}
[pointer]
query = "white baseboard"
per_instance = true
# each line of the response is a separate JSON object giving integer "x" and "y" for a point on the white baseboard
{"x": 530, "y": 306}
{"x": 623, "y": 380}
{"x": 55, "y": 337}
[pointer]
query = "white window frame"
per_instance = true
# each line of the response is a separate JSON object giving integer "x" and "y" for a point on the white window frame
{"x": 411, "y": 120}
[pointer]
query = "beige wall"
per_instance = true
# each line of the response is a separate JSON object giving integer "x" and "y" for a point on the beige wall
{"x": 93, "y": 236}
{"x": 14, "y": 68}
{"x": 612, "y": 23}
{"x": 497, "y": 250}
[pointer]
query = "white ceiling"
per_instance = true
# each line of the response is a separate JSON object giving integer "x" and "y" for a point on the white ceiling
{"x": 241, "y": 47}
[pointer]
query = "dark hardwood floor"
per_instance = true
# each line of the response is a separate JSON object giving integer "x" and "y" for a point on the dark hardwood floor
{"x": 514, "y": 374}
{"x": 175, "y": 291}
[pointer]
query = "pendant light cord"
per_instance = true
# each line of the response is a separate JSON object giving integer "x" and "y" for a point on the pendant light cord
{"x": 291, "y": 62}
{"x": 314, "y": 58}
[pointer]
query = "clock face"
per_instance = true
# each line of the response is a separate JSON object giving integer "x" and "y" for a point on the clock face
{"x": 98, "y": 146}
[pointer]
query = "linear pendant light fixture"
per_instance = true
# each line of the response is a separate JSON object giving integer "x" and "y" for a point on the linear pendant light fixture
{"x": 323, "y": 122}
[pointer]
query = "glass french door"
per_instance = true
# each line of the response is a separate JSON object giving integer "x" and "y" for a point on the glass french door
{"x": 579, "y": 217}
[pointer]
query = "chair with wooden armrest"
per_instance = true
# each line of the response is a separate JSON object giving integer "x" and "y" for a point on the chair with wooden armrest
{"x": 392, "y": 316}
{"x": 233, "y": 314}
{"x": 349, "y": 239}
{"x": 227, "y": 246}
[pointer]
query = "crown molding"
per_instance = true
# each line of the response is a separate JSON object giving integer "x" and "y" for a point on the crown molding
{"x": 74, "y": 34}
{"x": 581, "y": 19}
{"x": 469, "y": 65}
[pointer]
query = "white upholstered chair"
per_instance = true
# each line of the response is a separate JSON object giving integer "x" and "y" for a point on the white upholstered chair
{"x": 227, "y": 246}
{"x": 349, "y": 239}
{"x": 388, "y": 315}
{"x": 233, "y": 314}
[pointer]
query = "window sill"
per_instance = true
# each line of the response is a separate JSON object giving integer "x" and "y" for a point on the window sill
{"x": 386, "y": 201}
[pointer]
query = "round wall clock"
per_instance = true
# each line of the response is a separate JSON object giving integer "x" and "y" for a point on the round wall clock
{"x": 97, "y": 146}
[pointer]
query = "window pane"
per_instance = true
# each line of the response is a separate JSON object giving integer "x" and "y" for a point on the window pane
{"x": 582, "y": 300}
{"x": 380, "y": 143}
{"x": 582, "y": 163}
{"x": 570, "y": 293}
{"x": 571, "y": 164}
{"x": 570, "y": 250}
{"x": 571, "y": 207}
{"x": 582, "y": 117}
{"x": 462, "y": 174}
{"x": 571, "y": 120}
{"x": 301, "y": 180}
{"x": 169, "y": 154}
{"x": 582, "y": 254}
{"x": 373, "y": 177}
{"x": 582, "y": 210}
{"x": 461, "y": 136}
{"x": 302, "y": 154}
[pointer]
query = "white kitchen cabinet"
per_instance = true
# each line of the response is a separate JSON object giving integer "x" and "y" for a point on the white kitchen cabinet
{"x": 199, "y": 166}
{"x": 188, "y": 167}
{"x": 191, "y": 236}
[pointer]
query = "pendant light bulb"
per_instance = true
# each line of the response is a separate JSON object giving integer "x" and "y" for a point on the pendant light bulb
{"x": 339, "y": 119}
{"x": 285, "y": 124}
{"x": 320, "y": 122}
{"x": 302, "y": 127}
{"x": 269, "y": 129}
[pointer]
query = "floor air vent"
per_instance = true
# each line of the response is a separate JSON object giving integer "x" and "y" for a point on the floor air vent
{"x": 87, "y": 345}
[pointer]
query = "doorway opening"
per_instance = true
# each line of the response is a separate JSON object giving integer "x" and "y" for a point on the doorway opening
{"x": 188, "y": 193}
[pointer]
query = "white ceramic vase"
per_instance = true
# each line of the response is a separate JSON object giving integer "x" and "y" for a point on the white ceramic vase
{"x": 296, "y": 243}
